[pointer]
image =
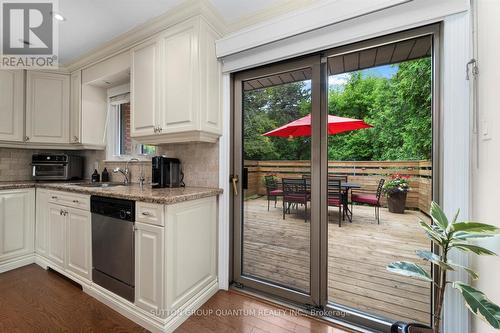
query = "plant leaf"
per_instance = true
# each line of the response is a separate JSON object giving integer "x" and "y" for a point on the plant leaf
{"x": 434, "y": 258}
{"x": 409, "y": 269}
{"x": 438, "y": 216}
{"x": 436, "y": 236}
{"x": 479, "y": 304}
{"x": 472, "y": 248}
{"x": 455, "y": 217}
{"x": 475, "y": 227}
{"x": 472, "y": 274}
{"x": 463, "y": 235}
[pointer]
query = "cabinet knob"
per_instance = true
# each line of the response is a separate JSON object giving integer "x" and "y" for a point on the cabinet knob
{"x": 76, "y": 201}
{"x": 75, "y": 138}
{"x": 54, "y": 197}
{"x": 160, "y": 129}
{"x": 26, "y": 138}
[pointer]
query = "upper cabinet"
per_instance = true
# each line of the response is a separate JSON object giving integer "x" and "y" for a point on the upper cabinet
{"x": 175, "y": 86}
{"x": 47, "y": 107}
{"x": 75, "y": 117}
{"x": 11, "y": 105}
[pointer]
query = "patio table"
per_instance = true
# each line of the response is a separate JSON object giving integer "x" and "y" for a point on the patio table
{"x": 347, "y": 186}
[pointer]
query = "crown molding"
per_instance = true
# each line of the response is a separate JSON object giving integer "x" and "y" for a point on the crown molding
{"x": 177, "y": 14}
{"x": 322, "y": 14}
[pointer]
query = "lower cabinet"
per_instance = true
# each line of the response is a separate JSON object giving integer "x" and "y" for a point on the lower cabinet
{"x": 64, "y": 236}
{"x": 175, "y": 262}
{"x": 17, "y": 223}
{"x": 78, "y": 242}
{"x": 149, "y": 258}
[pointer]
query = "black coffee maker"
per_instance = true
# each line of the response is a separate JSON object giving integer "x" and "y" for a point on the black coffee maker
{"x": 166, "y": 172}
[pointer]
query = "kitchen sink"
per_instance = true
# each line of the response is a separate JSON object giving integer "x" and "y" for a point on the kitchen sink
{"x": 100, "y": 185}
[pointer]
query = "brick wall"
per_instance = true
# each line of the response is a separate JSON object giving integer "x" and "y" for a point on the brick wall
{"x": 127, "y": 141}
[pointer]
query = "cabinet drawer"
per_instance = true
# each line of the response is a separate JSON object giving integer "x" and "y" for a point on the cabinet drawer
{"x": 70, "y": 199}
{"x": 149, "y": 213}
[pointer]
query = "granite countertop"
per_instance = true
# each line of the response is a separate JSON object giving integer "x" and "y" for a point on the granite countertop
{"x": 130, "y": 192}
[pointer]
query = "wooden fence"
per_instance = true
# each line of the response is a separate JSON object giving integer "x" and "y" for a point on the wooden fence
{"x": 365, "y": 173}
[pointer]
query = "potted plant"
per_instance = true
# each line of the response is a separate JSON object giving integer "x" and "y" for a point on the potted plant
{"x": 396, "y": 189}
{"x": 447, "y": 236}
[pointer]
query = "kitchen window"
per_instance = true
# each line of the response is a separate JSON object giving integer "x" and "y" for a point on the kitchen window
{"x": 120, "y": 144}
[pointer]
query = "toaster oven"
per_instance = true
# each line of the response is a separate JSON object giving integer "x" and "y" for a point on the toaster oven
{"x": 56, "y": 167}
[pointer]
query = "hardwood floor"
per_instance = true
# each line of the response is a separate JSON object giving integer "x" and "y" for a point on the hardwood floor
{"x": 35, "y": 300}
{"x": 233, "y": 312}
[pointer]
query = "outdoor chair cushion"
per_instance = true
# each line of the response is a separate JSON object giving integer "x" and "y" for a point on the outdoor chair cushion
{"x": 334, "y": 202}
{"x": 300, "y": 198}
{"x": 370, "y": 199}
{"x": 276, "y": 192}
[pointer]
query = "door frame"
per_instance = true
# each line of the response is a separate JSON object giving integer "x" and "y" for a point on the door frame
{"x": 319, "y": 175}
{"x": 313, "y": 298}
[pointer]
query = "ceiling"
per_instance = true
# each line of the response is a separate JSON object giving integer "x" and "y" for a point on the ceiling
{"x": 91, "y": 23}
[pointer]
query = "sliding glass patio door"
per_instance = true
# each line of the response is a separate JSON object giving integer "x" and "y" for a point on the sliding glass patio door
{"x": 276, "y": 243}
{"x": 317, "y": 143}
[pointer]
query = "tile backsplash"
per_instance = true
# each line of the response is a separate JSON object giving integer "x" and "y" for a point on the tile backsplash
{"x": 200, "y": 163}
{"x": 15, "y": 164}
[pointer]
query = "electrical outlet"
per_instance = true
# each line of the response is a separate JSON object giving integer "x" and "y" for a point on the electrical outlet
{"x": 485, "y": 133}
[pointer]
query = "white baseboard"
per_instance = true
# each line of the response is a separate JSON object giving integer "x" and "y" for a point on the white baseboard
{"x": 183, "y": 314}
{"x": 17, "y": 262}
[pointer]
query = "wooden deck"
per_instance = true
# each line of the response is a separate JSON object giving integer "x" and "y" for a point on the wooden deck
{"x": 277, "y": 250}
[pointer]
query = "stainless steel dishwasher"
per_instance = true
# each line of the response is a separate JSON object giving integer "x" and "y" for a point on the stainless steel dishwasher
{"x": 113, "y": 245}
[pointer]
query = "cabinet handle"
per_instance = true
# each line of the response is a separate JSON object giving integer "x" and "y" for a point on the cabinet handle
{"x": 54, "y": 197}
{"x": 146, "y": 213}
{"x": 61, "y": 212}
{"x": 156, "y": 129}
{"x": 75, "y": 138}
{"x": 160, "y": 129}
{"x": 76, "y": 201}
{"x": 26, "y": 138}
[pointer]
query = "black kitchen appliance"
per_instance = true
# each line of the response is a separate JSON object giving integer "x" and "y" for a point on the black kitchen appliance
{"x": 166, "y": 172}
{"x": 113, "y": 256}
{"x": 56, "y": 167}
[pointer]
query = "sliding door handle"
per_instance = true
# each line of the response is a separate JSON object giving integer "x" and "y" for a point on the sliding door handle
{"x": 234, "y": 180}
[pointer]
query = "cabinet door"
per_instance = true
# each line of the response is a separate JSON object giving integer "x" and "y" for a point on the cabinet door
{"x": 191, "y": 248}
{"x": 17, "y": 221}
{"x": 179, "y": 89}
{"x": 56, "y": 235}
{"x": 78, "y": 233}
{"x": 144, "y": 89}
{"x": 11, "y": 105}
{"x": 47, "y": 107}
{"x": 149, "y": 246}
{"x": 42, "y": 220}
{"x": 75, "y": 115}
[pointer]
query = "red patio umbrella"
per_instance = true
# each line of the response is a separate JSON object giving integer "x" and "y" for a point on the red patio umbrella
{"x": 302, "y": 126}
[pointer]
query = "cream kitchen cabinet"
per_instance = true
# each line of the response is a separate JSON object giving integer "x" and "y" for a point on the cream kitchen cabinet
{"x": 78, "y": 242}
{"x": 149, "y": 258}
{"x": 17, "y": 223}
{"x": 42, "y": 220}
{"x": 75, "y": 117}
{"x": 47, "y": 107}
{"x": 176, "y": 85}
{"x": 11, "y": 105}
{"x": 175, "y": 253}
{"x": 67, "y": 233}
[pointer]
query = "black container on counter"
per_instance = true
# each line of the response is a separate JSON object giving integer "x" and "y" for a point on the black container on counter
{"x": 95, "y": 177}
{"x": 105, "y": 175}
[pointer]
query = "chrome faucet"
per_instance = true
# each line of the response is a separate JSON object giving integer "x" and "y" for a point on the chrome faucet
{"x": 125, "y": 172}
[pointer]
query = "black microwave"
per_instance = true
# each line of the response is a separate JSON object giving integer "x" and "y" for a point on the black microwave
{"x": 166, "y": 172}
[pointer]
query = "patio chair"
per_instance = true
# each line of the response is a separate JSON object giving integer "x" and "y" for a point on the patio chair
{"x": 295, "y": 192}
{"x": 272, "y": 190}
{"x": 342, "y": 178}
{"x": 335, "y": 198}
{"x": 371, "y": 199}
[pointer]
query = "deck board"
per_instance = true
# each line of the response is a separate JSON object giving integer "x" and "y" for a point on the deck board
{"x": 277, "y": 250}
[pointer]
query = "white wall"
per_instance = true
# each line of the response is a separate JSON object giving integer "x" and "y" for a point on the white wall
{"x": 486, "y": 176}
